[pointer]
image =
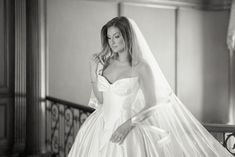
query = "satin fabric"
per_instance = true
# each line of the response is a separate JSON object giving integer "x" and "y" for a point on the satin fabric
{"x": 171, "y": 132}
{"x": 93, "y": 139}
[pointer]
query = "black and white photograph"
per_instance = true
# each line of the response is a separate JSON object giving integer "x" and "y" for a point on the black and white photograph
{"x": 117, "y": 78}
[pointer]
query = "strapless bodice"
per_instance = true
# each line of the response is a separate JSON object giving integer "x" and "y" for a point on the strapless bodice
{"x": 117, "y": 97}
{"x": 121, "y": 87}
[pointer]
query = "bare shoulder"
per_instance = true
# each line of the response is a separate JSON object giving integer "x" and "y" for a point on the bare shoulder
{"x": 142, "y": 68}
{"x": 145, "y": 75}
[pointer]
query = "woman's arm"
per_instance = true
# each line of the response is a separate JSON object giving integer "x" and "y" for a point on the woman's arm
{"x": 93, "y": 74}
{"x": 98, "y": 94}
{"x": 147, "y": 85}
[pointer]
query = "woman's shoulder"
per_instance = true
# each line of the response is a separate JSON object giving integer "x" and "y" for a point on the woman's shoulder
{"x": 142, "y": 66}
{"x": 143, "y": 70}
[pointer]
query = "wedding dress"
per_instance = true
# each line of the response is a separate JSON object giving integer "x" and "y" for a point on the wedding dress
{"x": 171, "y": 130}
{"x": 162, "y": 138}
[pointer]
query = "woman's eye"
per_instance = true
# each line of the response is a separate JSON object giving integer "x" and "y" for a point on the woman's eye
{"x": 117, "y": 36}
{"x": 109, "y": 38}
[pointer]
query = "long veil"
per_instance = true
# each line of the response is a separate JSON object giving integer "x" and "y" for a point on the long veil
{"x": 182, "y": 134}
{"x": 176, "y": 132}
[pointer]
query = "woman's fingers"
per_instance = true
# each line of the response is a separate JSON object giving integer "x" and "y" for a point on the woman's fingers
{"x": 120, "y": 134}
{"x": 116, "y": 137}
{"x": 101, "y": 60}
{"x": 122, "y": 139}
{"x": 97, "y": 59}
{"x": 94, "y": 61}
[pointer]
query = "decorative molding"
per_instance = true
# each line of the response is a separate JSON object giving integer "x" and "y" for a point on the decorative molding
{"x": 5, "y": 141}
{"x": 197, "y": 4}
{"x": 4, "y": 88}
{"x": 150, "y": 5}
{"x": 4, "y": 104}
{"x": 20, "y": 76}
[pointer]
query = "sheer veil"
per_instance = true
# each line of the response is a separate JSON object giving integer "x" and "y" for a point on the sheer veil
{"x": 141, "y": 51}
{"x": 177, "y": 132}
{"x": 180, "y": 132}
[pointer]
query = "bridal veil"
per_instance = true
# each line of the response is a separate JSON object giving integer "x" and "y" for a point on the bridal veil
{"x": 177, "y": 132}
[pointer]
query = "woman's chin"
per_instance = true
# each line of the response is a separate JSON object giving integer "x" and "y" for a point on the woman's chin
{"x": 115, "y": 51}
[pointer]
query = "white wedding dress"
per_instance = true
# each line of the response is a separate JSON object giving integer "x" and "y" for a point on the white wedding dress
{"x": 171, "y": 132}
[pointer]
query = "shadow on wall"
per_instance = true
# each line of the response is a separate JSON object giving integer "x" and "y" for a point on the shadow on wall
{"x": 214, "y": 56}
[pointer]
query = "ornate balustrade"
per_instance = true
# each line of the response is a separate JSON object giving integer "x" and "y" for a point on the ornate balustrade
{"x": 65, "y": 118}
{"x": 63, "y": 121}
{"x": 225, "y": 134}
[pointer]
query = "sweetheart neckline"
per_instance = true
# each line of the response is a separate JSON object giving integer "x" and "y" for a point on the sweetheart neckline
{"x": 110, "y": 83}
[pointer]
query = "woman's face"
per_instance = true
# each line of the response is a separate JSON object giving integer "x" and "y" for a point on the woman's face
{"x": 115, "y": 39}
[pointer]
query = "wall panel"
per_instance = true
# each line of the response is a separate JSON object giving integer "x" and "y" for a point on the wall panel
{"x": 203, "y": 63}
{"x": 2, "y": 120}
{"x": 3, "y": 53}
{"x": 73, "y": 35}
{"x": 6, "y": 75}
{"x": 158, "y": 24}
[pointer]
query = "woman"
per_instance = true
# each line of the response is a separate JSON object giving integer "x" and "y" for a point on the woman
{"x": 137, "y": 114}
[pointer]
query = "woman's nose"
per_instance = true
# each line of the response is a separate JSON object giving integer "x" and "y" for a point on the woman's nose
{"x": 112, "y": 41}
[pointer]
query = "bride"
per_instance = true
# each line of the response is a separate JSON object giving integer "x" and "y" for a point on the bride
{"x": 137, "y": 113}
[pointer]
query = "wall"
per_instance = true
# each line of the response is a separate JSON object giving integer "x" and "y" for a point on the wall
{"x": 73, "y": 36}
{"x": 188, "y": 43}
{"x": 158, "y": 25}
{"x": 203, "y": 63}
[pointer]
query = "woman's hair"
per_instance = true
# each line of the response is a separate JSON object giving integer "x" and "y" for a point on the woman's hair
{"x": 123, "y": 25}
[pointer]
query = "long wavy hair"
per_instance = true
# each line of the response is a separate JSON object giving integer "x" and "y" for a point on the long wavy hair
{"x": 123, "y": 25}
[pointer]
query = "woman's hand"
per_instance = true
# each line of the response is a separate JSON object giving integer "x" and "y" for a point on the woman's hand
{"x": 94, "y": 61}
{"x": 121, "y": 132}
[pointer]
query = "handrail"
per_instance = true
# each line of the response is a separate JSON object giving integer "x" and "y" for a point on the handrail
{"x": 212, "y": 127}
{"x": 70, "y": 104}
{"x": 64, "y": 119}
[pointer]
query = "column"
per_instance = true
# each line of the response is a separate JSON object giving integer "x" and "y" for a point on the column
{"x": 35, "y": 111}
